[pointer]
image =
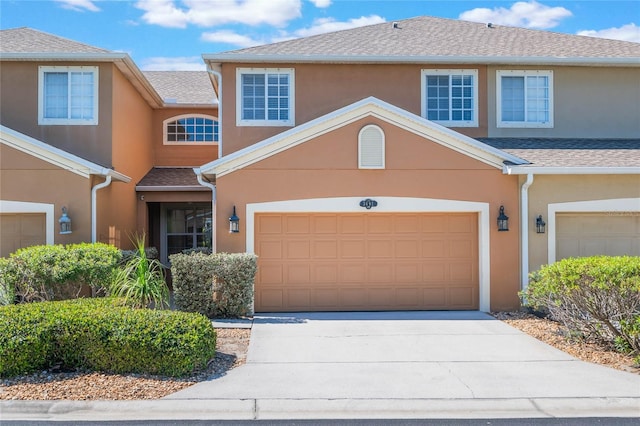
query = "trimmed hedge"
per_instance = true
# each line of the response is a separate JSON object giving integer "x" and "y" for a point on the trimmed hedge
{"x": 102, "y": 335}
{"x": 596, "y": 298}
{"x": 220, "y": 284}
{"x": 56, "y": 272}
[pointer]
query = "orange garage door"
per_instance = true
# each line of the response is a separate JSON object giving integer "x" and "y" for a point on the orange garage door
{"x": 372, "y": 261}
{"x": 18, "y": 230}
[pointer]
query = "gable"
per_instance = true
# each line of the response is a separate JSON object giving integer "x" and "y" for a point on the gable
{"x": 374, "y": 110}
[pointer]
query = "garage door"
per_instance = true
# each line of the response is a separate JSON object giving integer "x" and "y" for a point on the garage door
{"x": 349, "y": 261}
{"x": 585, "y": 234}
{"x": 18, "y": 230}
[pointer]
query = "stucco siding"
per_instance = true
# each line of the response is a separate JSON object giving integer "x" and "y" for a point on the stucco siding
{"x": 588, "y": 102}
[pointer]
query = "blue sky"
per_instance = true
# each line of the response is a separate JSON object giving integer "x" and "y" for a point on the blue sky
{"x": 172, "y": 34}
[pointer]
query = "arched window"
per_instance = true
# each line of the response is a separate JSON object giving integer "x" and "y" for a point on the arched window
{"x": 371, "y": 147}
{"x": 191, "y": 129}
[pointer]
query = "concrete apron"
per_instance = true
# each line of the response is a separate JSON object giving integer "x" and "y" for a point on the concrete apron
{"x": 400, "y": 357}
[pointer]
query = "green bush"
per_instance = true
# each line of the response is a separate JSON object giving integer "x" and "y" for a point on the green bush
{"x": 192, "y": 276}
{"x": 596, "y": 298}
{"x": 56, "y": 272}
{"x": 234, "y": 275}
{"x": 219, "y": 285}
{"x": 103, "y": 335}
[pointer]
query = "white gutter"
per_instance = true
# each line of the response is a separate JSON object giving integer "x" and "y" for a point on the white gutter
{"x": 94, "y": 205}
{"x": 421, "y": 59}
{"x": 214, "y": 228}
{"x": 586, "y": 170}
{"x": 524, "y": 229}
{"x": 219, "y": 94}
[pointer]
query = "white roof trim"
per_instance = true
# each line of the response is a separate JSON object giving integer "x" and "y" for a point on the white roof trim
{"x": 498, "y": 60}
{"x": 56, "y": 156}
{"x": 367, "y": 107}
{"x": 556, "y": 170}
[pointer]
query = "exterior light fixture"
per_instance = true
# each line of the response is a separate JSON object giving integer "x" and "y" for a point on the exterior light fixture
{"x": 234, "y": 222}
{"x": 65, "y": 222}
{"x": 503, "y": 220}
{"x": 540, "y": 225}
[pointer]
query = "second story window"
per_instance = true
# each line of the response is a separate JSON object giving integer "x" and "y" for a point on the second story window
{"x": 524, "y": 98}
{"x": 190, "y": 129}
{"x": 68, "y": 95}
{"x": 450, "y": 97}
{"x": 265, "y": 97}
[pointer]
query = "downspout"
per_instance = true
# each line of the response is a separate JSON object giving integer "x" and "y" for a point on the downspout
{"x": 524, "y": 219}
{"x": 211, "y": 186}
{"x": 219, "y": 77}
{"x": 94, "y": 206}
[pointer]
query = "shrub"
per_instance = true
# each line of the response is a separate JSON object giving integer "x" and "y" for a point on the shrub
{"x": 141, "y": 281}
{"x": 596, "y": 298}
{"x": 7, "y": 286}
{"x": 102, "y": 335}
{"x": 234, "y": 275}
{"x": 56, "y": 272}
{"x": 192, "y": 276}
{"x": 220, "y": 284}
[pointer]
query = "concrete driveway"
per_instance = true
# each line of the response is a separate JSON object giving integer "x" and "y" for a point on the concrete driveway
{"x": 406, "y": 363}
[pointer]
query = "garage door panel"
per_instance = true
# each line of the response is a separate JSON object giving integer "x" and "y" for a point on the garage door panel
{"x": 591, "y": 234}
{"x": 269, "y": 225}
{"x": 19, "y": 230}
{"x": 367, "y": 262}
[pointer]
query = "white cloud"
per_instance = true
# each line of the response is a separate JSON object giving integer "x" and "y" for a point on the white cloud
{"x": 79, "y": 5}
{"x": 529, "y": 14}
{"x": 321, "y": 3}
{"x": 230, "y": 37}
{"x": 185, "y": 63}
{"x": 206, "y": 13}
{"x": 629, "y": 32}
{"x": 326, "y": 25}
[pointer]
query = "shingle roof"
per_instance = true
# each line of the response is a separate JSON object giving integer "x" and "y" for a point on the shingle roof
{"x": 429, "y": 37}
{"x": 182, "y": 87}
{"x": 170, "y": 179}
{"x": 571, "y": 152}
{"x": 28, "y": 40}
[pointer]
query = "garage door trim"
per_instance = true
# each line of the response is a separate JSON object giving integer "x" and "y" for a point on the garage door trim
{"x": 612, "y": 206}
{"x": 27, "y": 207}
{"x": 388, "y": 205}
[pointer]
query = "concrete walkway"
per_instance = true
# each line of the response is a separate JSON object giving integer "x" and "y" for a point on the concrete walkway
{"x": 385, "y": 365}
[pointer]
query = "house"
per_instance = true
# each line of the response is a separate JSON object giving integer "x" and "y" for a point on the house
{"x": 422, "y": 164}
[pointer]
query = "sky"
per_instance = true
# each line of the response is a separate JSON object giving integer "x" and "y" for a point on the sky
{"x": 173, "y": 34}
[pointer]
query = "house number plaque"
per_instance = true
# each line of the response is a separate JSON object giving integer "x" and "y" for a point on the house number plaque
{"x": 368, "y": 203}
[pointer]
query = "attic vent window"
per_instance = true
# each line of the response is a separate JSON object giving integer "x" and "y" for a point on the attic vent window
{"x": 371, "y": 148}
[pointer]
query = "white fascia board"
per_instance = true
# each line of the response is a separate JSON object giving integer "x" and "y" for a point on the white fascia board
{"x": 56, "y": 156}
{"x": 524, "y": 170}
{"x": 367, "y": 107}
{"x": 69, "y": 57}
{"x": 369, "y": 59}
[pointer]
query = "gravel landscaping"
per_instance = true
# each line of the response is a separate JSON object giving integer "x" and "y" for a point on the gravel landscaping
{"x": 232, "y": 345}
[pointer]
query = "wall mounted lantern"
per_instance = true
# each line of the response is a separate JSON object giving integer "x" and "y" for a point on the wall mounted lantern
{"x": 540, "y": 225}
{"x": 234, "y": 222}
{"x": 503, "y": 220}
{"x": 65, "y": 222}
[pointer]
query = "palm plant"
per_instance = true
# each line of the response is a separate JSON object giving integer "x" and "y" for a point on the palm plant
{"x": 141, "y": 281}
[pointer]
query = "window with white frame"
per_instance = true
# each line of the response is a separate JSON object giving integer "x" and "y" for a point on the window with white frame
{"x": 265, "y": 97}
{"x": 450, "y": 97}
{"x": 68, "y": 95}
{"x": 525, "y": 98}
{"x": 191, "y": 129}
{"x": 371, "y": 147}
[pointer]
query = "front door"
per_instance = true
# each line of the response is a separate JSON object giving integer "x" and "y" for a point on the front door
{"x": 184, "y": 226}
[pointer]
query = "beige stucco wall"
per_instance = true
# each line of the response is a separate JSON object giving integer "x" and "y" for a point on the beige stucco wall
{"x": 589, "y": 102}
{"x": 28, "y": 179}
{"x": 181, "y": 155}
{"x": 19, "y": 106}
{"x": 321, "y": 89}
{"x": 551, "y": 189}
{"x": 415, "y": 167}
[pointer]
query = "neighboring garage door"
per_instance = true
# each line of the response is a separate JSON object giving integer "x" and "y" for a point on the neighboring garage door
{"x": 587, "y": 234}
{"x": 18, "y": 230}
{"x": 372, "y": 261}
